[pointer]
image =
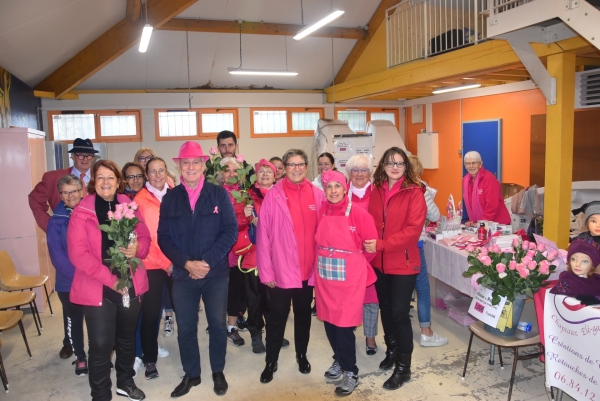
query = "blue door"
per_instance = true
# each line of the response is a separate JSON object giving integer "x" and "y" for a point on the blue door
{"x": 484, "y": 137}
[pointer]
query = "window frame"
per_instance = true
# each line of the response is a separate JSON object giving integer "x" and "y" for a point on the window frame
{"x": 371, "y": 110}
{"x": 199, "y": 112}
{"x": 289, "y": 110}
{"x": 97, "y": 126}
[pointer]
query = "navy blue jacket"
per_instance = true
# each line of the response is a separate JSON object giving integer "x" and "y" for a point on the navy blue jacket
{"x": 57, "y": 246}
{"x": 206, "y": 234}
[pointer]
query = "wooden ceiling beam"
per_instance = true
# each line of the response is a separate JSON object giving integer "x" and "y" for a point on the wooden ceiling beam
{"x": 591, "y": 61}
{"x": 108, "y": 46}
{"x": 376, "y": 20}
{"x": 258, "y": 28}
{"x": 132, "y": 10}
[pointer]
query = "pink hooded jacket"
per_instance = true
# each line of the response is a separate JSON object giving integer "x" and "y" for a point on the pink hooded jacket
{"x": 84, "y": 241}
{"x": 276, "y": 243}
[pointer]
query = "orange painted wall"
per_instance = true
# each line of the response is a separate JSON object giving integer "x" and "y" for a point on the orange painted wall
{"x": 515, "y": 111}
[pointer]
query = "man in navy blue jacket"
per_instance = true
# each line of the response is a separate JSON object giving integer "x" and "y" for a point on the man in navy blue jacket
{"x": 197, "y": 228}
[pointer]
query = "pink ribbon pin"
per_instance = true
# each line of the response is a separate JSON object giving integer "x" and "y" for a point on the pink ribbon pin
{"x": 216, "y": 209}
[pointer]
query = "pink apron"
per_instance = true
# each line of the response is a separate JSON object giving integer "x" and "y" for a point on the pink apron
{"x": 343, "y": 273}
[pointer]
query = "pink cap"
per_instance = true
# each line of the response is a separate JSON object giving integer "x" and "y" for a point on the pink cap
{"x": 263, "y": 163}
{"x": 190, "y": 150}
{"x": 333, "y": 175}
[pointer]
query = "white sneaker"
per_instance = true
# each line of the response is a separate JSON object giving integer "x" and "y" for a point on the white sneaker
{"x": 163, "y": 352}
{"x": 137, "y": 365}
{"x": 433, "y": 341}
{"x": 168, "y": 331}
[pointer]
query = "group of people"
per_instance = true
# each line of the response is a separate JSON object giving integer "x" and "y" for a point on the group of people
{"x": 356, "y": 242}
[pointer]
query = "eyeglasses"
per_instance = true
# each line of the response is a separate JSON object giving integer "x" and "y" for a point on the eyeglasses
{"x": 135, "y": 177}
{"x": 68, "y": 194}
{"x": 469, "y": 164}
{"x": 359, "y": 171}
{"x": 157, "y": 172}
{"x": 81, "y": 156}
{"x": 265, "y": 172}
{"x": 294, "y": 165}
{"x": 143, "y": 159}
{"x": 397, "y": 164}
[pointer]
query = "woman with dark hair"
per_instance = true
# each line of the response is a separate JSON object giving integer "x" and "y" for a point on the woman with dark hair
{"x": 286, "y": 256}
{"x": 278, "y": 163}
{"x": 325, "y": 162}
{"x": 109, "y": 323}
{"x": 158, "y": 266}
{"x": 135, "y": 178}
{"x": 397, "y": 204}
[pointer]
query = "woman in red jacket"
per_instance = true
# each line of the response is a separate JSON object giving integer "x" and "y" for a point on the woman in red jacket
{"x": 398, "y": 207}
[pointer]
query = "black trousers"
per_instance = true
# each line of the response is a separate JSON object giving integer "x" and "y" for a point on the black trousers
{"x": 394, "y": 293}
{"x": 73, "y": 323}
{"x": 150, "y": 314}
{"x": 279, "y": 308}
{"x": 256, "y": 297}
{"x": 343, "y": 343}
{"x": 236, "y": 280}
{"x": 111, "y": 326}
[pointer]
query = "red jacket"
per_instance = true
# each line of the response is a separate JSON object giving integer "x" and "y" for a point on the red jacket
{"x": 490, "y": 198}
{"x": 399, "y": 229}
{"x": 84, "y": 241}
{"x": 44, "y": 193}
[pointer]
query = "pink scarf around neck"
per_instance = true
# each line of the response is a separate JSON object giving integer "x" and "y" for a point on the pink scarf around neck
{"x": 472, "y": 204}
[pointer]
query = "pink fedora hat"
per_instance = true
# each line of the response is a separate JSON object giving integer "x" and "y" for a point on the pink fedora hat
{"x": 190, "y": 150}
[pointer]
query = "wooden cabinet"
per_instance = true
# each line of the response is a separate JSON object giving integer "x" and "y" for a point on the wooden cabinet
{"x": 22, "y": 164}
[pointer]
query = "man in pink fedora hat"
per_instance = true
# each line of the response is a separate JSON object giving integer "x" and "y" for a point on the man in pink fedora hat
{"x": 196, "y": 229}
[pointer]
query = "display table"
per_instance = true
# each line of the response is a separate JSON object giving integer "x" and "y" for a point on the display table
{"x": 447, "y": 264}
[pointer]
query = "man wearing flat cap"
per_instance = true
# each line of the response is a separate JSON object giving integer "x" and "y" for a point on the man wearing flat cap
{"x": 46, "y": 192}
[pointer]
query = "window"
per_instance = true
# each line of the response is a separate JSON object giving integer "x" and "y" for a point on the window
{"x": 193, "y": 123}
{"x": 99, "y": 125}
{"x": 359, "y": 117}
{"x": 271, "y": 122}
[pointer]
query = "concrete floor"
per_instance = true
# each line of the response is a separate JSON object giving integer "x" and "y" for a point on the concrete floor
{"x": 436, "y": 371}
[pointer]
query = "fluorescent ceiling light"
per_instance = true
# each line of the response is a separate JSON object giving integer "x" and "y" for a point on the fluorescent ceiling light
{"x": 455, "y": 88}
{"x": 239, "y": 71}
{"x": 146, "y": 34}
{"x": 310, "y": 29}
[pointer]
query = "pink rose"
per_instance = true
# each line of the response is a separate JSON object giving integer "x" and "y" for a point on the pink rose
{"x": 526, "y": 260}
{"x": 239, "y": 158}
{"x": 530, "y": 254}
{"x": 120, "y": 208}
{"x": 553, "y": 254}
{"x": 544, "y": 267}
{"x": 525, "y": 245}
{"x": 541, "y": 247}
{"x": 470, "y": 248}
{"x": 213, "y": 151}
{"x": 486, "y": 260}
{"x": 523, "y": 273}
{"x": 111, "y": 215}
{"x": 496, "y": 249}
{"x": 512, "y": 265}
{"x": 532, "y": 265}
{"x": 133, "y": 206}
{"x": 532, "y": 246}
{"x": 129, "y": 214}
{"x": 483, "y": 251}
{"x": 500, "y": 267}
{"x": 474, "y": 282}
{"x": 118, "y": 214}
{"x": 521, "y": 266}
{"x": 515, "y": 242}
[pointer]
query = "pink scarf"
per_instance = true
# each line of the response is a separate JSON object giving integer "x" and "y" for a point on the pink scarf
{"x": 472, "y": 204}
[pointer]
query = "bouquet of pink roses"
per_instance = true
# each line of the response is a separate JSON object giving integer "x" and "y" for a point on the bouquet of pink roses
{"x": 121, "y": 230}
{"x": 518, "y": 271}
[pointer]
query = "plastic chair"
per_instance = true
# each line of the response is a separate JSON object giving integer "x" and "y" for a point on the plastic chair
{"x": 532, "y": 339}
{"x": 8, "y": 320}
{"x": 10, "y": 280}
{"x": 9, "y": 300}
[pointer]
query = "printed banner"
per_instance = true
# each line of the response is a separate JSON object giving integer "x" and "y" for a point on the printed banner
{"x": 482, "y": 309}
{"x": 572, "y": 334}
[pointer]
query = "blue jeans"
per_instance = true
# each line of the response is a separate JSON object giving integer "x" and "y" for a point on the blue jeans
{"x": 422, "y": 287}
{"x": 186, "y": 296}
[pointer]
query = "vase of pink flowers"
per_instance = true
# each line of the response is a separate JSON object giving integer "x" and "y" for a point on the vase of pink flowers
{"x": 515, "y": 273}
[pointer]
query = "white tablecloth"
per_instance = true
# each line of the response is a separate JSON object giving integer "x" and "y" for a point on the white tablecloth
{"x": 447, "y": 265}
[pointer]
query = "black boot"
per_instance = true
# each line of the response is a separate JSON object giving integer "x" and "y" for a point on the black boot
{"x": 390, "y": 353}
{"x": 401, "y": 373}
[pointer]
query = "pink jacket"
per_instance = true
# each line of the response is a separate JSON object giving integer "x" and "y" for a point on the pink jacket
{"x": 84, "y": 241}
{"x": 276, "y": 244}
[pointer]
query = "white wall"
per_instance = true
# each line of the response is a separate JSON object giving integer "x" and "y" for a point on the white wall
{"x": 253, "y": 149}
